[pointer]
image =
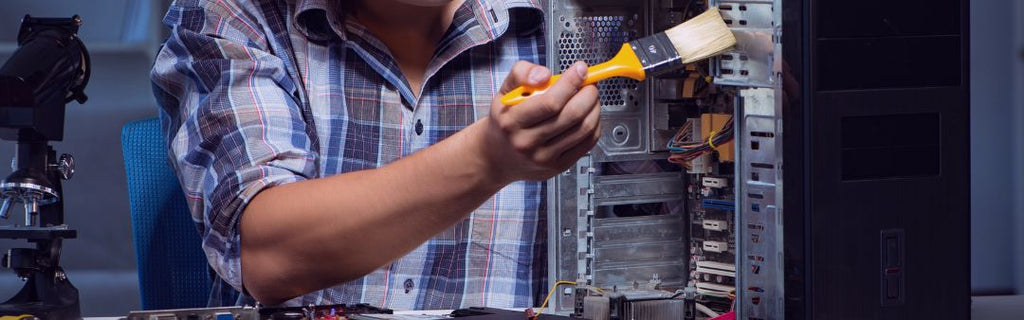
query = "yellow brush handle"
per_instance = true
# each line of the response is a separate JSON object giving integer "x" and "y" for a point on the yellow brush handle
{"x": 624, "y": 64}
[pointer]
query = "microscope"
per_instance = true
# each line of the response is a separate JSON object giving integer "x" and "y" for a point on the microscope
{"x": 49, "y": 69}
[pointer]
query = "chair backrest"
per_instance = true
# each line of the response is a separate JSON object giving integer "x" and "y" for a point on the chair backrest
{"x": 173, "y": 272}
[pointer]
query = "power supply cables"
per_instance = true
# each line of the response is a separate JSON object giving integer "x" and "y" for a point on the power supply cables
{"x": 534, "y": 315}
{"x": 683, "y": 149}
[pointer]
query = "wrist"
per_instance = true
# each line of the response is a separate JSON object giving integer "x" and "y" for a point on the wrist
{"x": 477, "y": 147}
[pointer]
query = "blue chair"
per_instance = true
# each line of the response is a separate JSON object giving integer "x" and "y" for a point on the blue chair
{"x": 173, "y": 272}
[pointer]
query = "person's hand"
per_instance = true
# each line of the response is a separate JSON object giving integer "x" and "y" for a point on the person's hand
{"x": 547, "y": 133}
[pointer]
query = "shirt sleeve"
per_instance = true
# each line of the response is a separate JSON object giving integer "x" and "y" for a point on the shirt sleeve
{"x": 231, "y": 119}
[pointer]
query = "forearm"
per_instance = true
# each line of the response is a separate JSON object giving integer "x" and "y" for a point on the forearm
{"x": 304, "y": 236}
{"x": 301, "y": 237}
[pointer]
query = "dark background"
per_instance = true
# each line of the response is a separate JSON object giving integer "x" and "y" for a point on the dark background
{"x": 123, "y": 36}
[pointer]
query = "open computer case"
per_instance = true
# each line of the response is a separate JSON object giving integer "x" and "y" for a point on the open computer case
{"x": 843, "y": 194}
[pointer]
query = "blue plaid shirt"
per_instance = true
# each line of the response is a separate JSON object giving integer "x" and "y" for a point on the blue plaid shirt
{"x": 255, "y": 94}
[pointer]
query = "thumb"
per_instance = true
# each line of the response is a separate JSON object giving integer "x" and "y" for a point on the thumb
{"x": 525, "y": 74}
{"x": 574, "y": 75}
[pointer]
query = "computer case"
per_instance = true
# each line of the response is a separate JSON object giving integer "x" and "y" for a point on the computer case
{"x": 877, "y": 180}
{"x": 844, "y": 193}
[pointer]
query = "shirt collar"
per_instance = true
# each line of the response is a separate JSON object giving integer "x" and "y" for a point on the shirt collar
{"x": 494, "y": 15}
{"x": 321, "y": 20}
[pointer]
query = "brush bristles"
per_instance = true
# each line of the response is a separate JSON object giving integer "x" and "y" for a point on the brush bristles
{"x": 701, "y": 37}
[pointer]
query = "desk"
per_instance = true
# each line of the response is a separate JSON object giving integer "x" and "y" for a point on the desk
{"x": 997, "y": 307}
{"x": 982, "y": 308}
{"x": 416, "y": 312}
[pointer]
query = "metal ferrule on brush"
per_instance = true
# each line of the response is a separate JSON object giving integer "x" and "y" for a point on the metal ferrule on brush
{"x": 656, "y": 54}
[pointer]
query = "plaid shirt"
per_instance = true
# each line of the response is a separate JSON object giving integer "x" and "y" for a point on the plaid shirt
{"x": 260, "y": 93}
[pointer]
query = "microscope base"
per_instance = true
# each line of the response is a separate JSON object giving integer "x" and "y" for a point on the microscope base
{"x": 45, "y": 297}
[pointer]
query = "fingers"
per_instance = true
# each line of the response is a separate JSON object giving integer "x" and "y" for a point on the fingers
{"x": 574, "y": 112}
{"x": 548, "y": 131}
{"x": 583, "y": 109}
{"x": 524, "y": 73}
{"x": 570, "y": 82}
{"x": 569, "y": 157}
{"x": 549, "y": 104}
{"x": 581, "y": 132}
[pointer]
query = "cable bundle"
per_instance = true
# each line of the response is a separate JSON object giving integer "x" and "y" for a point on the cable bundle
{"x": 683, "y": 151}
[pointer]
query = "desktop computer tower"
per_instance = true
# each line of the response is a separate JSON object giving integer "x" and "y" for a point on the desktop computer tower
{"x": 877, "y": 199}
{"x": 842, "y": 194}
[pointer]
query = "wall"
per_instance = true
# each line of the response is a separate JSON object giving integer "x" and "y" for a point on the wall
{"x": 1018, "y": 161}
{"x": 993, "y": 132}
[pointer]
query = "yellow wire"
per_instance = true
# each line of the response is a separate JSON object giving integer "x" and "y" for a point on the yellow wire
{"x": 710, "y": 142}
{"x": 545, "y": 304}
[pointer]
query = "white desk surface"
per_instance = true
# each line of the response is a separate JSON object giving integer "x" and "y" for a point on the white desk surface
{"x": 997, "y": 307}
{"x": 982, "y": 308}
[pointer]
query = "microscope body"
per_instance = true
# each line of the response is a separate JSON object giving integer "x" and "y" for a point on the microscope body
{"x": 49, "y": 69}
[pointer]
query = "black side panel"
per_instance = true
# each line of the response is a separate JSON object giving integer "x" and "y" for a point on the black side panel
{"x": 795, "y": 225}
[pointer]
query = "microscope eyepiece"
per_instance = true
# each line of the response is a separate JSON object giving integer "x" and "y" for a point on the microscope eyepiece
{"x": 50, "y": 68}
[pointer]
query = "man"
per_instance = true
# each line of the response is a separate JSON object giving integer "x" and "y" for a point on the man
{"x": 355, "y": 151}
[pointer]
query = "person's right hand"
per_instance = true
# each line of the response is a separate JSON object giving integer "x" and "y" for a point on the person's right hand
{"x": 547, "y": 133}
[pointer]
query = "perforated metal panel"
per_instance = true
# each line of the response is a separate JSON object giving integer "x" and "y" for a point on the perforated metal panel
{"x": 593, "y": 31}
{"x": 595, "y": 40}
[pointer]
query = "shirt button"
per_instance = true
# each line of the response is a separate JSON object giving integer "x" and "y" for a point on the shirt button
{"x": 409, "y": 284}
{"x": 419, "y": 127}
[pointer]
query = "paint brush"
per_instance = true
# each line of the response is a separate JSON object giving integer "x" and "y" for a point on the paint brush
{"x": 696, "y": 39}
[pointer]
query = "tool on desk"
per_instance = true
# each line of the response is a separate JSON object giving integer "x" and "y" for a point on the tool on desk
{"x": 696, "y": 39}
{"x": 49, "y": 69}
